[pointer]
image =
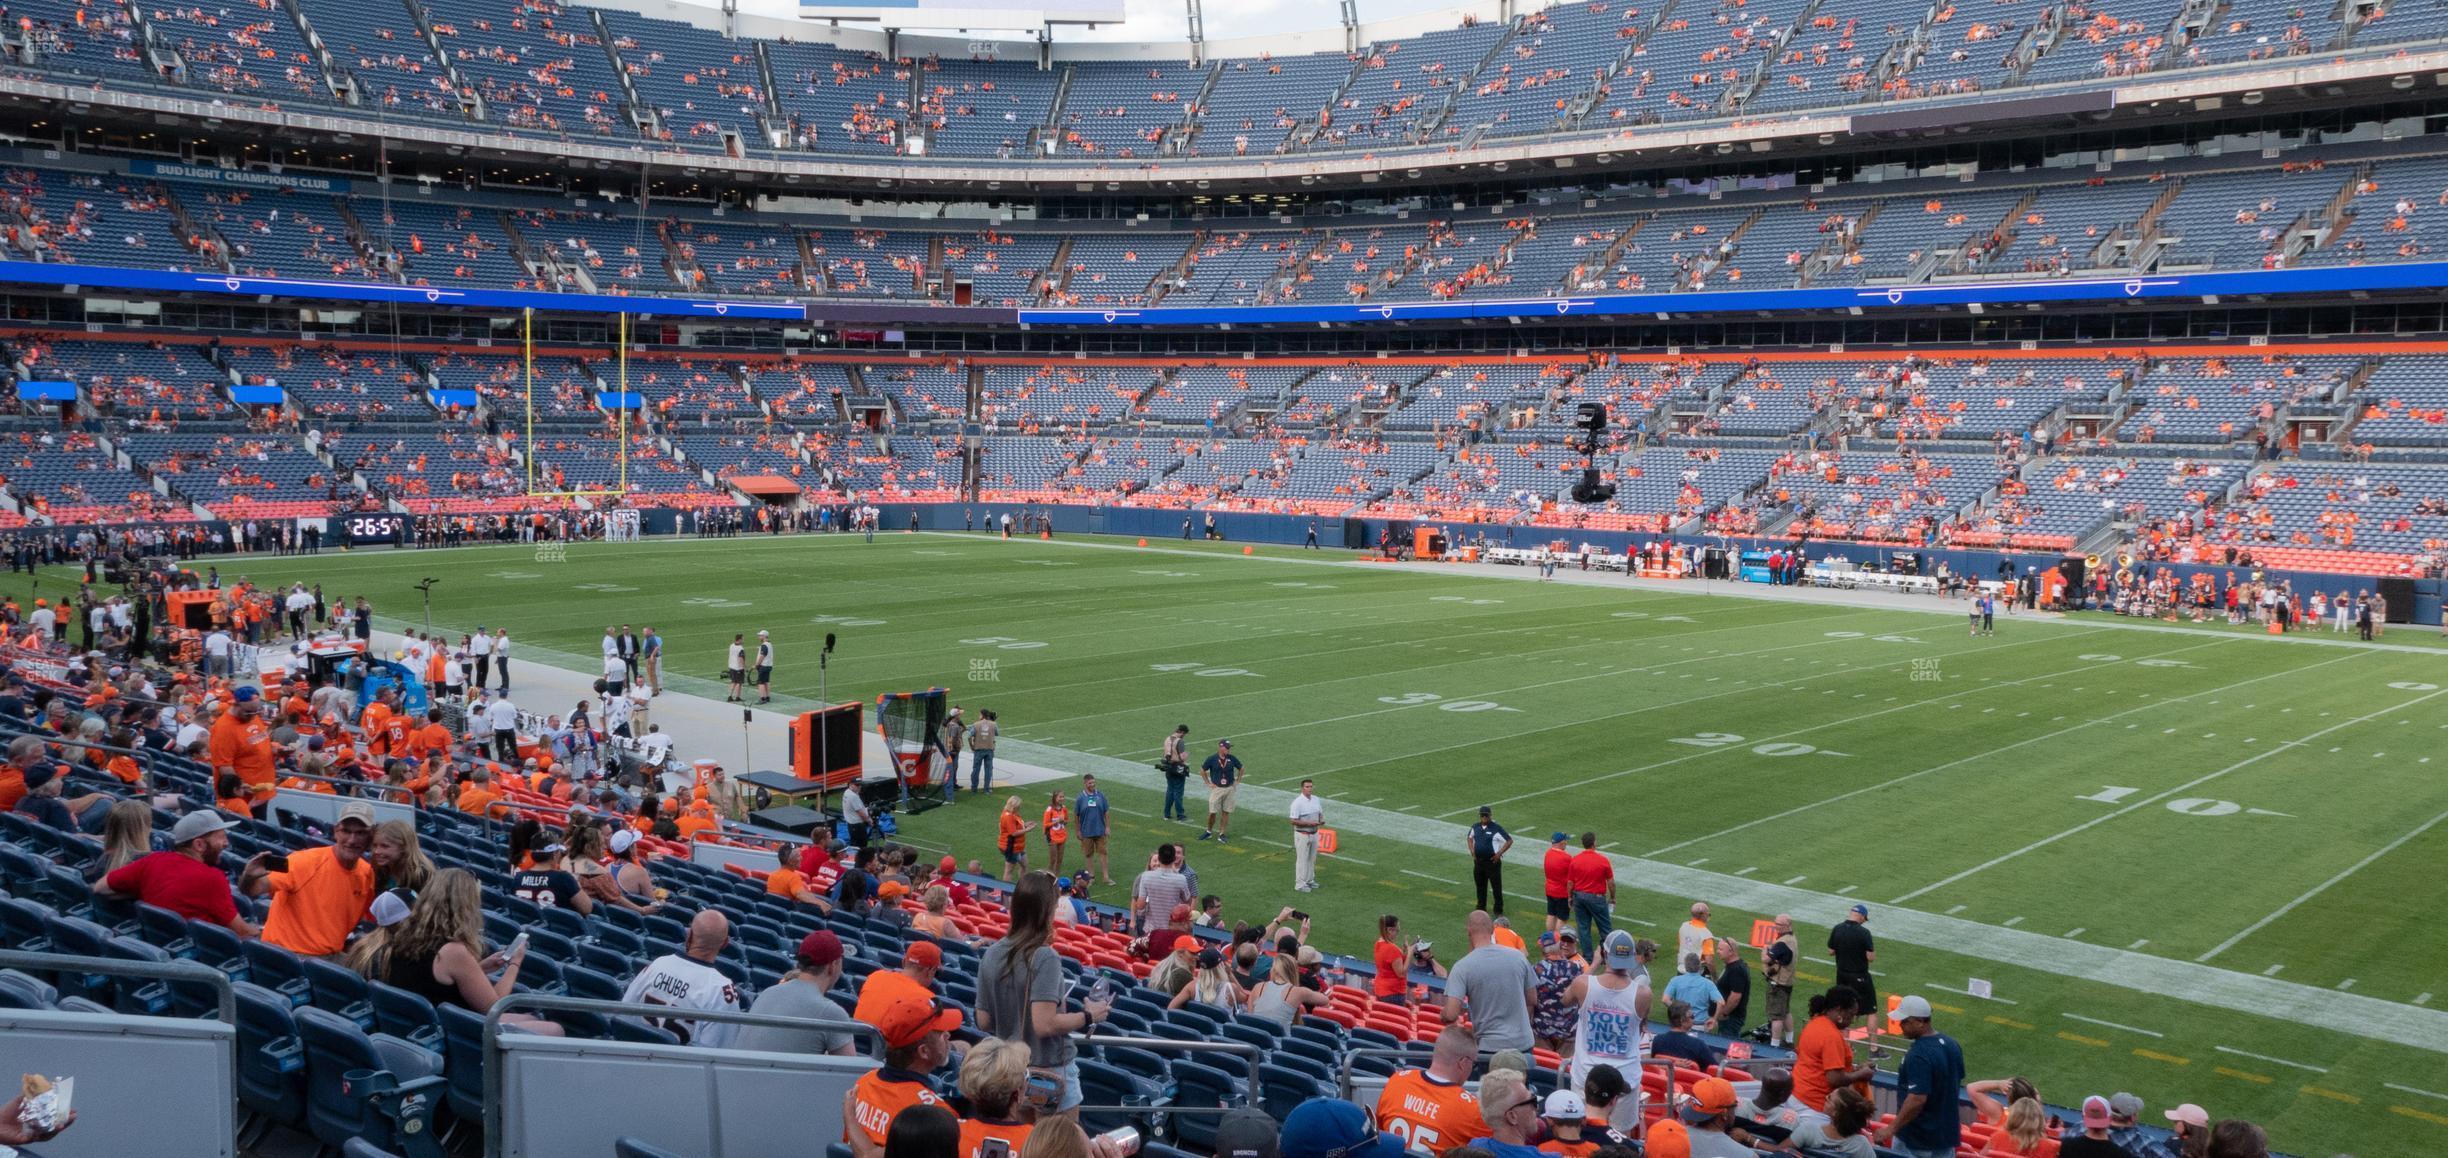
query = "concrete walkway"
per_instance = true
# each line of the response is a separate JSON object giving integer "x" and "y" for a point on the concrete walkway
{"x": 692, "y": 712}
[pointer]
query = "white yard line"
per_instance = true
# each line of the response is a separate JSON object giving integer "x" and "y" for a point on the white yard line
{"x": 1967, "y": 993}
{"x": 2114, "y": 1025}
{"x": 2276, "y": 1061}
{"x": 2189, "y": 785}
{"x": 2323, "y": 887}
{"x": 2412, "y": 1090}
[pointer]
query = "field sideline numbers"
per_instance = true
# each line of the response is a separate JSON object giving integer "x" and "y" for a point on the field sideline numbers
{"x": 1422, "y": 699}
{"x": 2184, "y": 806}
{"x": 1005, "y": 642}
{"x": 1200, "y": 669}
{"x": 715, "y": 603}
{"x": 1659, "y": 618}
{"x": 845, "y": 621}
{"x": 2105, "y": 657}
{"x": 1773, "y": 748}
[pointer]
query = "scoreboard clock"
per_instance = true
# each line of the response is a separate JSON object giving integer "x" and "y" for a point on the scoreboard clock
{"x": 364, "y": 530}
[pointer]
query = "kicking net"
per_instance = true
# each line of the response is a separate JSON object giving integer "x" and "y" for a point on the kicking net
{"x": 909, "y": 723}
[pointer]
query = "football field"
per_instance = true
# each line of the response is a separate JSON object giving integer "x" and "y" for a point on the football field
{"x": 2194, "y": 863}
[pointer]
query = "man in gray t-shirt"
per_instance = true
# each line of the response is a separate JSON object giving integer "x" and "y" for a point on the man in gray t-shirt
{"x": 802, "y": 994}
{"x": 1495, "y": 984}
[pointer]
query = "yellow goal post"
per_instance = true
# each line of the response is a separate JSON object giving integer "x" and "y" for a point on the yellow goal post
{"x": 620, "y": 414}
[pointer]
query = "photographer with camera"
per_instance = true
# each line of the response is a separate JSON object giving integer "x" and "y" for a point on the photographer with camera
{"x": 1395, "y": 961}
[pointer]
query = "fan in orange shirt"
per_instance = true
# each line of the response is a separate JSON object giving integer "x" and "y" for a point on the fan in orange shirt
{"x": 479, "y": 798}
{"x": 917, "y": 1038}
{"x": 1430, "y": 1110}
{"x": 241, "y": 745}
{"x": 1823, "y": 1059}
{"x": 696, "y": 818}
{"x": 1011, "y": 835}
{"x": 432, "y": 740}
{"x": 992, "y": 1078}
{"x": 373, "y": 720}
{"x": 1057, "y": 831}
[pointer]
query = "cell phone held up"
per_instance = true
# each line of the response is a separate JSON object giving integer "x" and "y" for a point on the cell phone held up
{"x": 276, "y": 863}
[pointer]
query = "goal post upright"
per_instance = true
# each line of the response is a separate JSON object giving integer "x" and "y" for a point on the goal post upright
{"x": 620, "y": 414}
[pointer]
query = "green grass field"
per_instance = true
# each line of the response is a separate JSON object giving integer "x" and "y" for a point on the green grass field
{"x": 2194, "y": 864}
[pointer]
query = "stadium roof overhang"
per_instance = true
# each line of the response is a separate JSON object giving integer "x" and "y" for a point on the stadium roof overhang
{"x": 2264, "y": 88}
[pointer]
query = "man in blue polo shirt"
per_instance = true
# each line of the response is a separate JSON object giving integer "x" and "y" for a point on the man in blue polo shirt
{"x": 1223, "y": 775}
{"x": 1927, "y": 1124}
{"x": 1092, "y": 807}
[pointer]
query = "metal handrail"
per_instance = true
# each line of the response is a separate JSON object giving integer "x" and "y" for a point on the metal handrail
{"x": 177, "y": 970}
{"x": 1667, "y": 1065}
{"x": 551, "y": 1002}
{"x": 225, "y": 994}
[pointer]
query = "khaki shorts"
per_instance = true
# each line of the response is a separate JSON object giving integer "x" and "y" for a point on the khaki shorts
{"x": 1221, "y": 799}
{"x": 1092, "y": 846}
{"x": 1780, "y": 1001}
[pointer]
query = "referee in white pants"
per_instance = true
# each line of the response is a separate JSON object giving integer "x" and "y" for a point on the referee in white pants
{"x": 1308, "y": 816}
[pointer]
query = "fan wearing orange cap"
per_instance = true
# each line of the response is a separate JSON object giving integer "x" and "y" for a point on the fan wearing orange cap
{"x": 1709, "y": 1113}
{"x": 697, "y": 817}
{"x": 915, "y": 979}
{"x": 917, "y": 1040}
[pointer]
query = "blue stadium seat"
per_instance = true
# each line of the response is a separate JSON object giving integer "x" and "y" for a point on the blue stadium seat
{"x": 404, "y": 1015}
{"x": 568, "y": 923}
{"x": 80, "y": 938}
{"x": 1242, "y": 1031}
{"x": 633, "y": 1029}
{"x": 360, "y": 1148}
{"x": 26, "y": 991}
{"x": 21, "y": 925}
{"x": 145, "y": 997}
{"x": 338, "y": 1107}
{"x": 1281, "y": 1088}
{"x": 463, "y": 1059}
{"x": 1103, "y": 1084}
{"x": 633, "y": 1148}
{"x": 271, "y": 1061}
{"x": 338, "y": 989}
{"x": 162, "y": 927}
{"x": 277, "y": 969}
{"x": 1201, "y": 1086}
{"x": 218, "y": 947}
